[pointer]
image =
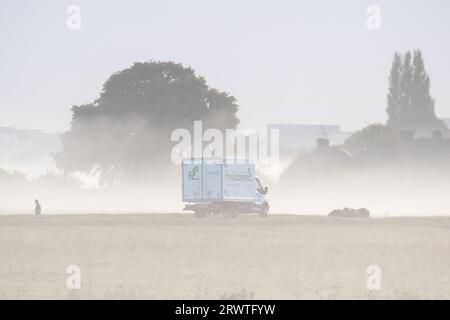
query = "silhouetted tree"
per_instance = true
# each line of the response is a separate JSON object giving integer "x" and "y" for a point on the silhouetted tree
{"x": 393, "y": 97}
{"x": 422, "y": 104}
{"x": 405, "y": 112}
{"x": 362, "y": 139}
{"x": 409, "y": 102}
{"x": 126, "y": 131}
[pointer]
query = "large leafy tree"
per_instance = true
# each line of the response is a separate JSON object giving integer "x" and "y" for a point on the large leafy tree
{"x": 126, "y": 131}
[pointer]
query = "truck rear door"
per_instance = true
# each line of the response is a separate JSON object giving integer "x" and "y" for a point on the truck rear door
{"x": 192, "y": 180}
{"x": 212, "y": 180}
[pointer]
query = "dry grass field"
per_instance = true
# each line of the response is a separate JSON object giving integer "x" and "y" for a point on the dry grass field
{"x": 176, "y": 256}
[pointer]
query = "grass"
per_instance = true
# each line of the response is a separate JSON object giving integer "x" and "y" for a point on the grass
{"x": 175, "y": 256}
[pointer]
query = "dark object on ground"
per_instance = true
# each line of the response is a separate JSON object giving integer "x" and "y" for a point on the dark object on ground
{"x": 350, "y": 213}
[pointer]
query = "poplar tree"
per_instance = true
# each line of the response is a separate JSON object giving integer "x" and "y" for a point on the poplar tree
{"x": 410, "y": 105}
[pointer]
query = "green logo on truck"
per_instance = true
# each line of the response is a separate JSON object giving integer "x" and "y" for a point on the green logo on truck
{"x": 193, "y": 173}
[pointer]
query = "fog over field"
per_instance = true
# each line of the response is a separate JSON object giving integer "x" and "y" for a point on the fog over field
{"x": 318, "y": 198}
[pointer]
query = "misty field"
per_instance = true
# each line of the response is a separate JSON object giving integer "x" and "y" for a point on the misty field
{"x": 175, "y": 256}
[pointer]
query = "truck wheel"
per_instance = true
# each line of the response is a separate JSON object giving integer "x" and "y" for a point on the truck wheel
{"x": 230, "y": 214}
{"x": 264, "y": 210}
{"x": 200, "y": 214}
{"x": 232, "y": 211}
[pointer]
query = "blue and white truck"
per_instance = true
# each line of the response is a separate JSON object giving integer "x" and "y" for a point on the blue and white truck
{"x": 218, "y": 186}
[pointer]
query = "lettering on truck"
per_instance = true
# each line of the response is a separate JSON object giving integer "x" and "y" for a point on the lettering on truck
{"x": 238, "y": 177}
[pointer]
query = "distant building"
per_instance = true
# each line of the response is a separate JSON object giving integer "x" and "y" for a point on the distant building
{"x": 414, "y": 157}
{"x": 27, "y": 150}
{"x": 303, "y": 137}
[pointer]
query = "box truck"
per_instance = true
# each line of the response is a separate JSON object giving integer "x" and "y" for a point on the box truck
{"x": 213, "y": 186}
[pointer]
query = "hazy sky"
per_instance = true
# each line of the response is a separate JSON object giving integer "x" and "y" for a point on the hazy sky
{"x": 285, "y": 61}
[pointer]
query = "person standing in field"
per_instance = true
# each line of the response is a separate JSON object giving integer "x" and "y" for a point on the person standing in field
{"x": 37, "y": 208}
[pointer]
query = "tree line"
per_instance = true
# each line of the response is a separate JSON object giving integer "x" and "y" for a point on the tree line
{"x": 410, "y": 106}
{"x": 125, "y": 132}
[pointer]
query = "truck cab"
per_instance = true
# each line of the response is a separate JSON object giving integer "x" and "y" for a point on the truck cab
{"x": 219, "y": 186}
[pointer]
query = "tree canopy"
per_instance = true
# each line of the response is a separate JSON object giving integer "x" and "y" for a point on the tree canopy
{"x": 126, "y": 130}
{"x": 375, "y": 133}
